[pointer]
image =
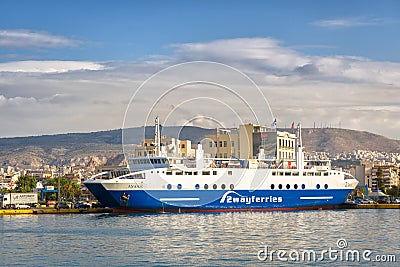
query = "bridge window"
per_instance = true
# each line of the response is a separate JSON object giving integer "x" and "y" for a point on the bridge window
{"x": 288, "y": 186}
{"x": 206, "y": 186}
{"x": 272, "y": 186}
{"x": 179, "y": 186}
{"x": 326, "y": 186}
{"x": 169, "y": 186}
{"x": 280, "y": 186}
{"x": 223, "y": 186}
{"x": 295, "y": 186}
{"x": 197, "y": 186}
{"x": 215, "y": 186}
{"x": 231, "y": 186}
{"x": 318, "y": 186}
{"x": 303, "y": 186}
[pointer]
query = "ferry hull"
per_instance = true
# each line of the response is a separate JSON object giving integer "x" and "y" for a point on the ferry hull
{"x": 217, "y": 200}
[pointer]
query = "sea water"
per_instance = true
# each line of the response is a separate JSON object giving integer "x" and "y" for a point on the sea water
{"x": 300, "y": 238}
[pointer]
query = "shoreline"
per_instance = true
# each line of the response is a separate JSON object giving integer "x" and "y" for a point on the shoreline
{"x": 110, "y": 210}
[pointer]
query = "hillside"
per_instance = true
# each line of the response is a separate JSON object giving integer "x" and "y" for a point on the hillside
{"x": 105, "y": 147}
{"x": 334, "y": 140}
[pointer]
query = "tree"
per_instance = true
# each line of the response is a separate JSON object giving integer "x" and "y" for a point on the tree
{"x": 68, "y": 189}
{"x": 380, "y": 182}
{"x": 26, "y": 184}
{"x": 393, "y": 191}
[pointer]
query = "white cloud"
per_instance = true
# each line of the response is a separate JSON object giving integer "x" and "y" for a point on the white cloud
{"x": 29, "y": 39}
{"x": 48, "y": 66}
{"x": 353, "y": 92}
{"x": 348, "y": 22}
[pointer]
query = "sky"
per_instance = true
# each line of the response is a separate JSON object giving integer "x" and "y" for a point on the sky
{"x": 74, "y": 66}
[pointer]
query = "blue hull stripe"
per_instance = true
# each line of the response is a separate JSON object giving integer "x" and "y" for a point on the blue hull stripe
{"x": 156, "y": 200}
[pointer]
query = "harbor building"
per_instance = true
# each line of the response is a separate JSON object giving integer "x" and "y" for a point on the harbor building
{"x": 253, "y": 137}
{"x": 384, "y": 176}
{"x": 223, "y": 144}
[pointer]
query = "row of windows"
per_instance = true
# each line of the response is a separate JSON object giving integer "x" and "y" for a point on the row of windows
{"x": 231, "y": 186}
{"x": 275, "y": 173}
{"x": 206, "y": 186}
{"x": 195, "y": 173}
{"x": 221, "y": 144}
{"x": 295, "y": 186}
{"x": 148, "y": 161}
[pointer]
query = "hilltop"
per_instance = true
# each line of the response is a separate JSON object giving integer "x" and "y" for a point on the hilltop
{"x": 105, "y": 147}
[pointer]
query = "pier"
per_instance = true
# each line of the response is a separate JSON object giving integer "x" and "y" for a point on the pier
{"x": 53, "y": 211}
{"x": 110, "y": 210}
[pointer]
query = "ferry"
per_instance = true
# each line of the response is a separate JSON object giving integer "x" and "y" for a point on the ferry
{"x": 170, "y": 184}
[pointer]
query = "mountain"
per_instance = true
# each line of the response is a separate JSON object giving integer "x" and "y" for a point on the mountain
{"x": 334, "y": 140}
{"x": 105, "y": 147}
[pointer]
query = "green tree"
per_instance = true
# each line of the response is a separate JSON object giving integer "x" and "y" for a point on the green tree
{"x": 393, "y": 191}
{"x": 26, "y": 184}
{"x": 380, "y": 182}
{"x": 68, "y": 189}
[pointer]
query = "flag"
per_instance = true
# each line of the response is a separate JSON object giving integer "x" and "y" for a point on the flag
{"x": 273, "y": 123}
{"x": 292, "y": 126}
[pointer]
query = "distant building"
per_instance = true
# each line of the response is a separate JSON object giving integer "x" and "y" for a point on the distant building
{"x": 223, "y": 144}
{"x": 388, "y": 175}
{"x": 253, "y": 137}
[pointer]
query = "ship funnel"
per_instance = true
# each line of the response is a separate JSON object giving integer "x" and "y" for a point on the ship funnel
{"x": 199, "y": 157}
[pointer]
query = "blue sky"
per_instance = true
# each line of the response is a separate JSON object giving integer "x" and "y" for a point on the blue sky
{"x": 344, "y": 53}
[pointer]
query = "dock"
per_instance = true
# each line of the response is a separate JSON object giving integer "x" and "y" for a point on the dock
{"x": 37, "y": 211}
{"x": 53, "y": 211}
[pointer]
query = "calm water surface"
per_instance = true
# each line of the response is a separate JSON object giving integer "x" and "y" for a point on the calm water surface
{"x": 205, "y": 239}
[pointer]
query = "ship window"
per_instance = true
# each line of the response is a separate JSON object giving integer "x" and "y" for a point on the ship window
{"x": 326, "y": 186}
{"x": 179, "y": 186}
{"x": 231, "y": 186}
{"x": 229, "y": 172}
{"x": 169, "y": 186}
{"x": 303, "y": 186}
{"x": 295, "y": 186}
{"x": 169, "y": 173}
{"x": 274, "y": 173}
{"x": 195, "y": 173}
{"x": 206, "y": 173}
{"x": 214, "y": 172}
{"x": 288, "y": 186}
{"x": 304, "y": 173}
{"x": 223, "y": 186}
{"x": 287, "y": 173}
{"x": 326, "y": 174}
{"x": 295, "y": 174}
{"x": 272, "y": 186}
{"x": 215, "y": 186}
{"x": 318, "y": 186}
{"x": 280, "y": 186}
{"x": 179, "y": 173}
{"x": 188, "y": 173}
{"x": 317, "y": 174}
{"x": 197, "y": 186}
{"x": 206, "y": 186}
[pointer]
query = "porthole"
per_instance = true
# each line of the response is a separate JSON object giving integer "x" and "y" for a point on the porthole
{"x": 215, "y": 186}
{"x": 303, "y": 186}
{"x": 318, "y": 186}
{"x": 179, "y": 186}
{"x": 231, "y": 186}
{"x": 272, "y": 186}
{"x": 288, "y": 186}
{"x": 169, "y": 186}
{"x": 197, "y": 186}
{"x": 326, "y": 186}
{"x": 206, "y": 186}
{"x": 295, "y": 186}
{"x": 280, "y": 186}
{"x": 223, "y": 186}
